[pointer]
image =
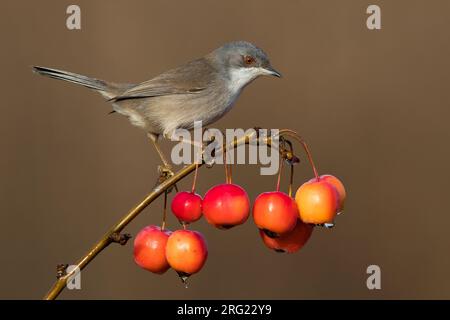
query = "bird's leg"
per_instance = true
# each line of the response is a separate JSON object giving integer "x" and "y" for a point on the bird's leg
{"x": 209, "y": 162}
{"x": 165, "y": 170}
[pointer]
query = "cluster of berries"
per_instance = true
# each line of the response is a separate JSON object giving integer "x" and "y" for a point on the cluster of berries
{"x": 285, "y": 223}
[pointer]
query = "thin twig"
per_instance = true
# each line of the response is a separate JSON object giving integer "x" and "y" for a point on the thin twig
{"x": 163, "y": 225}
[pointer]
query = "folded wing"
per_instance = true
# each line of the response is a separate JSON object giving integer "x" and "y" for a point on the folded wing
{"x": 190, "y": 78}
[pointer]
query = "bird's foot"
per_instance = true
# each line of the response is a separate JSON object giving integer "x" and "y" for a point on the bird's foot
{"x": 209, "y": 162}
{"x": 164, "y": 172}
{"x": 208, "y": 151}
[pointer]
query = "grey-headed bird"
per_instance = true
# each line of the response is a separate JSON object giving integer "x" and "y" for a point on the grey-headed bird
{"x": 204, "y": 90}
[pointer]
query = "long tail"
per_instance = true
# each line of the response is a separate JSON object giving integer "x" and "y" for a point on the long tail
{"x": 108, "y": 90}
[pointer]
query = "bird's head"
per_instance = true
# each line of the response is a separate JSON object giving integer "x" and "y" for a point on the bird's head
{"x": 242, "y": 62}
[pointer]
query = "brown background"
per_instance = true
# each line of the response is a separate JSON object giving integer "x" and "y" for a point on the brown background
{"x": 374, "y": 106}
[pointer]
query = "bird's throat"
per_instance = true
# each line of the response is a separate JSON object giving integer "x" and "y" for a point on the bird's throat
{"x": 239, "y": 78}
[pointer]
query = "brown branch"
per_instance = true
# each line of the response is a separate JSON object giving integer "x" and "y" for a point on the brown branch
{"x": 114, "y": 234}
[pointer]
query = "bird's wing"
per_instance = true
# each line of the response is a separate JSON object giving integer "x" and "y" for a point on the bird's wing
{"x": 190, "y": 78}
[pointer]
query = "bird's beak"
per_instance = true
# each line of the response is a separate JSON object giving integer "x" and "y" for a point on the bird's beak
{"x": 272, "y": 72}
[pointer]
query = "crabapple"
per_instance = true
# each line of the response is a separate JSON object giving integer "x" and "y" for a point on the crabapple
{"x": 150, "y": 249}
{"x": 317, "y": 201}
{"x": 186, "y": 252}
{"x": 187, "y": 206}
{"x": 289, "y": 242}
{"x": 275, "y": 213}
{"x": 226, "y": 205}
{"x": 339, "y": 188}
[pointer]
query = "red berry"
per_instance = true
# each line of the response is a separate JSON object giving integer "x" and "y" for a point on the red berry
{"x": 187, "y": 206}
{"x": 226, "y": 206}
{"x": 186, "y": 252}
{"x": 150, "y": 249}
{"x": 289, "y": 242}
{"x": 275, "y": 213}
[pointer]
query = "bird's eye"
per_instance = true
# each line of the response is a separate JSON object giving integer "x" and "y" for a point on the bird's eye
{"x": 249, "y": 60}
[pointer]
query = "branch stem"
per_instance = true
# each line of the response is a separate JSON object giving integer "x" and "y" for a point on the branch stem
{"x": 296, "y": 136}
{"x": 105, "y": 241}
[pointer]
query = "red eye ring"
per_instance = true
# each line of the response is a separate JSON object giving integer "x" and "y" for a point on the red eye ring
{"x": 248, "y": 60}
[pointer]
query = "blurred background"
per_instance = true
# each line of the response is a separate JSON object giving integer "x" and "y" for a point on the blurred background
{"x": 372, "y": 104}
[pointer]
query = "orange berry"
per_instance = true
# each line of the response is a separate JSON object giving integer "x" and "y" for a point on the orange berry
{"x": 317, "y": 202}
{"x": 186, "y": 252}
{"x": 339, "y": 188}
{"x": 150, "y": 249}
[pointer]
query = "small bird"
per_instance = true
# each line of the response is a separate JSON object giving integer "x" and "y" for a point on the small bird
{"x": 204, "y": 90}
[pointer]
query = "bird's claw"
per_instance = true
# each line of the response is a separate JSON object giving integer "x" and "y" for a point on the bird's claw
{"x": 209, "y": 163}
{"x": 164, "y": 172}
